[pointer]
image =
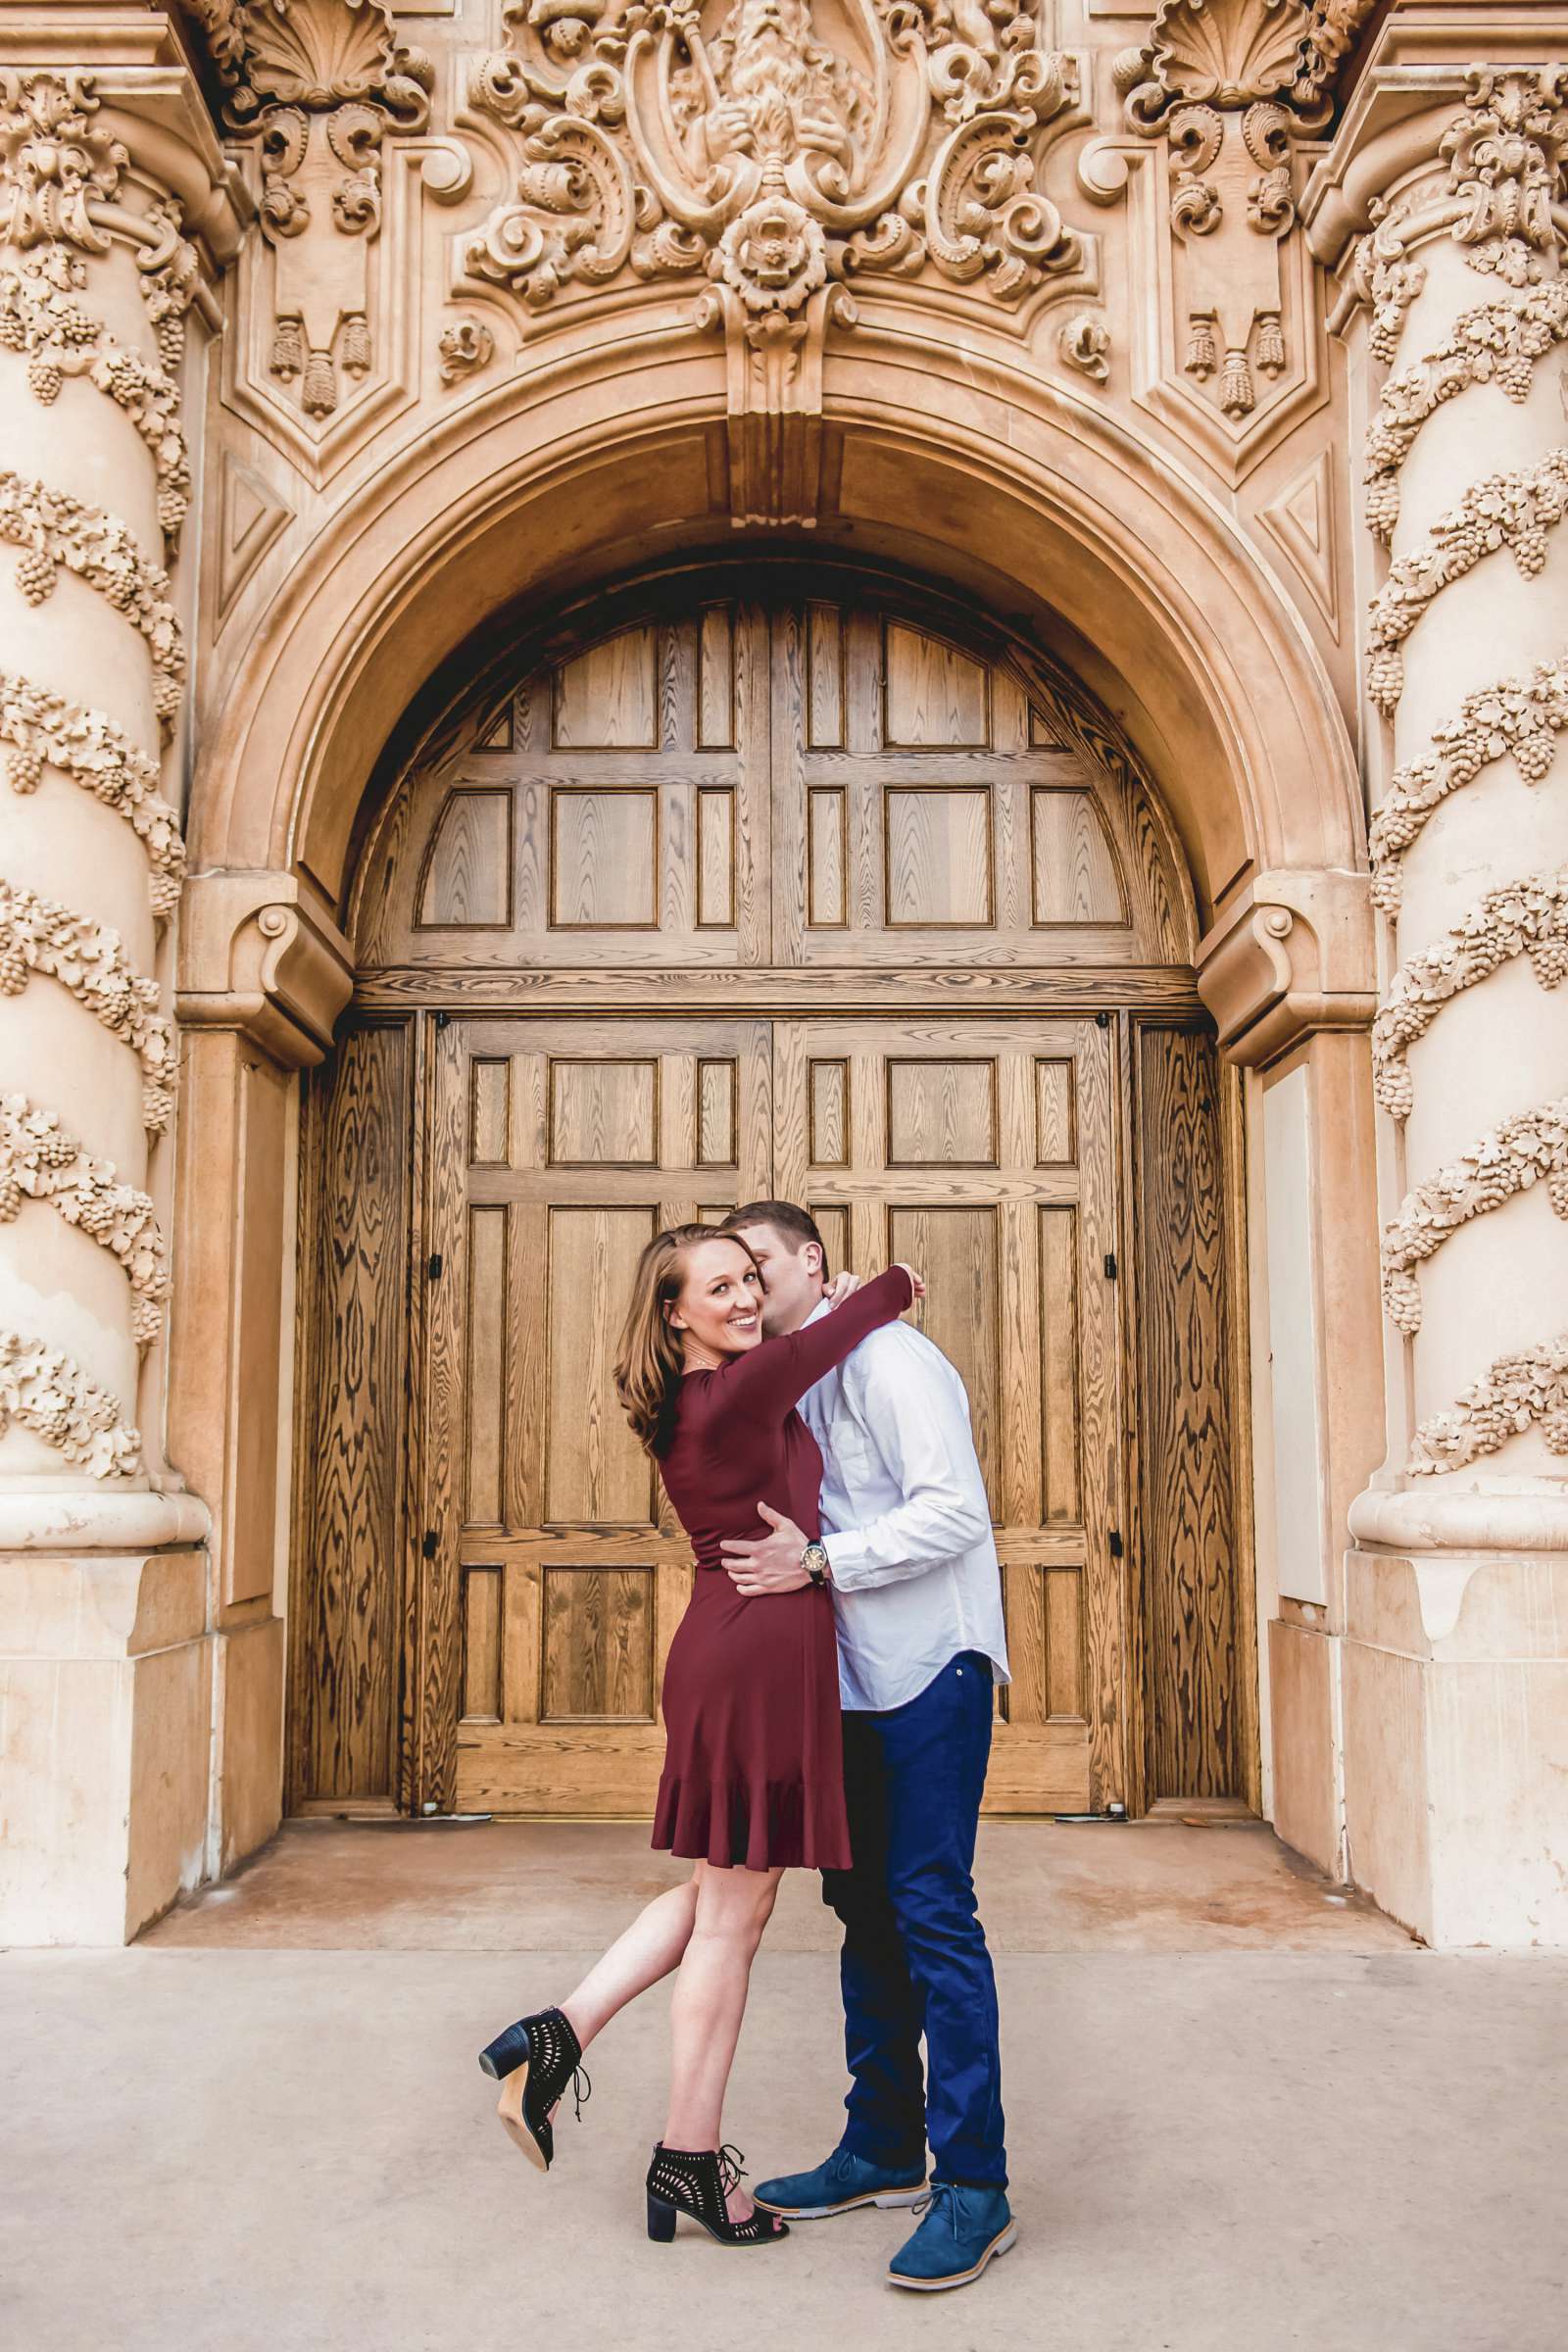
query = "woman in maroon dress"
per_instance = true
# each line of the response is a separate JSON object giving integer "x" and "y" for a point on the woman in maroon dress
{"x": 753, "y": 1780}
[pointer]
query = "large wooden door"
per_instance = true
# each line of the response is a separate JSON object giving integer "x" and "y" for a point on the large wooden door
{"x": 556, "y": 1571}
{"x": 983, "y": 1153}
{"x": 741, "y": 887}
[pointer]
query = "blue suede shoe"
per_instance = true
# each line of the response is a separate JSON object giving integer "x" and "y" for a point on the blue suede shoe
{"x": 837, "y": 2186}
{"x": 961, "y": 2229}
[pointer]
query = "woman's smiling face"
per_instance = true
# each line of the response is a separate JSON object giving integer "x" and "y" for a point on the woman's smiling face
{"x": 720, "y": 1308}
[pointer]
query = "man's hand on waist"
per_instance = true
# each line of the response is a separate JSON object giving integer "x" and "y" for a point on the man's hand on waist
{"x": 773, "y": 1563}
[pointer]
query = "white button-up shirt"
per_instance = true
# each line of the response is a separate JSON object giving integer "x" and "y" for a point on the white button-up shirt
{"x": 905, "y": 1519}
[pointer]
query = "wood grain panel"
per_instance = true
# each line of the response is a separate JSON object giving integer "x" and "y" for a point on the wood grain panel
{"x": 715, "y": 858}
{"x": 1061, "y": 1489}
{"x": 717, "y": 1088}
{"x": 595, "y": 1468}
{"x": 1055, "y": 1118}
{"x": 827, "y": 874}
{"x": 935, "y": 694}
{"x": 607, "y": 698}
{"x": 1077, "y": 879}
{"x": 829, "y": 1083}
{"x": 1067, "y": 1680}
{"x": 942, "y": 1113}
{"x": 598, "y": 1646}
{"x": 481, "y": 1645}
{"x": 1185, "y": 1409}
{"x": 347, "y": 1595}
{"x": 938, "y": 857}
{"x": 484, "y": 1386}
{"x": 604, "y": 1113}
{"x": 957, "y": 1250}
{"x": 833, "y": 1224}
{"x": 604, "y": 859}
{"x": 468, "y": 869}
{"x": 825, "y": 708}
{"x": 716, "y": 707}
{"x": 490, "y": 1112}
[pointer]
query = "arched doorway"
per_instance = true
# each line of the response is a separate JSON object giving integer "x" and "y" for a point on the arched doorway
{"x": 756, "y": 877}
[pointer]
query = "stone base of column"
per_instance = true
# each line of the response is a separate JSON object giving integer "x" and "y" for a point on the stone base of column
{"x": 107, "y": 1676}
{"x": 1454, "y": 1704}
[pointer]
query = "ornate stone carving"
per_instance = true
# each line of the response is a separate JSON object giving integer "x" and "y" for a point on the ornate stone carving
{"x": 466, "y": 345}
{"x": 1516, "y": 1394}
{"x": 1505, "y": 1163}
{"x": 53, "y": 159}
{"x": 39, "y": 935}
{"x": 1387, "y": 280}
{"x": 42, "y": 1390}
{"x": 1514, "y": 510}
{"x": 1497, "y": 342}
{"x": 775, "y": 149}
{"x": 42, "y": 729}
{"x": 746, "y": 143}
{"x": 1522, "y": 918}
{"x": 53, "y": 529}
{"x": 1504, "y": 155}
{"x": 42, "y": 313}
{"x": 1231, "y": 85}
{"x": 322, "y": 82}
{"x": 40, "y": 1161}
{"x": 1085, "y": 344}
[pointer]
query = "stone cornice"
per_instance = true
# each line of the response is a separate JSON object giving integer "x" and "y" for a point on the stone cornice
{"x": 148, "y": 97}
{"x": 259, "y": 955}
{"x": 1413, "y": 78}
{"x": 1292, "y": 956}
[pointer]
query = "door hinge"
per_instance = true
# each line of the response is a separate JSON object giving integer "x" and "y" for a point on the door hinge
{"x": 433, "y": 1269}
{"x": 443, "y": 1020}
{"x": 1101, "y": 1021}
{"x": 1113, "y": 1539}
{"x": 1110, "y": 1265}
{"x": 429, "y": 1543}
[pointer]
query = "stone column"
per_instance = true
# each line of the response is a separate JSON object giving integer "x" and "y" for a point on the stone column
{"x": 1455, "y": 1694}
{"x": 105, "y": 1703}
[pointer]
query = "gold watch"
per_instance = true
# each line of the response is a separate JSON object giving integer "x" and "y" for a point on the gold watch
{"x": 814, "y": 1560}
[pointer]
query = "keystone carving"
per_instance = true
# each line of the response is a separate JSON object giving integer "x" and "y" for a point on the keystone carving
{"x": 775, "y": 150}
{"x": 321, "y": 83}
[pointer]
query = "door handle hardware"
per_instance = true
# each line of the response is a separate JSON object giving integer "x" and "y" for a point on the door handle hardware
{"x": 1110, "y": 1265}
{"x": 433, "y": 1269}
{"x": 428, "y": 1547}
{"x": 1113, "y": 1540}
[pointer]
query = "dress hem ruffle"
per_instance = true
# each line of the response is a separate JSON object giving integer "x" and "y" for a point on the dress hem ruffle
{"x": 782, "y": 1825}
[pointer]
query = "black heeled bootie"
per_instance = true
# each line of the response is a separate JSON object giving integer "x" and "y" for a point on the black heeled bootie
{"x": 536, "y": 2062}
{"x": 696, "y": 2181}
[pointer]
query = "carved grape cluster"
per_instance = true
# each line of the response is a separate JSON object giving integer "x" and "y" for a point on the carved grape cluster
{"x": 1513, "y": 509}
{"x": 41, "y": 1389}
{"x": 1522, "y": 918}
{"x": 1534, "y": 1146}
{"x": 56, "y": 531}
{"x": 39, "y": 935}
{"x": 40, "y": 728}
{"x": 1515, "y": 1394}
{"x": 1521, "y": 717}
{"x": 40, "y": 1160}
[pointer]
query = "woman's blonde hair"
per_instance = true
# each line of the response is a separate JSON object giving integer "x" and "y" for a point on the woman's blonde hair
{"x": 648, "y": 1366}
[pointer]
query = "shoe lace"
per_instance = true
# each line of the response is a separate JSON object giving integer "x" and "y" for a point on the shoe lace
{"x": 731, "y": 2166}
{"x": 938, "y": 2196}
{"x": 581, "y": 2089}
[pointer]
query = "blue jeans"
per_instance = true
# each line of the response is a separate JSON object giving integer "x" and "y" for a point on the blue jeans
{"x": 914, "y": 1958}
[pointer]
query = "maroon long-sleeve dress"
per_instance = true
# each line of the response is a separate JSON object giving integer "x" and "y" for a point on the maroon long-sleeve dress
{"x": 754, "y": 1762}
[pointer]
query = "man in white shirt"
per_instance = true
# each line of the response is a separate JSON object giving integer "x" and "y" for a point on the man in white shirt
{"x": 908, "y": 1555}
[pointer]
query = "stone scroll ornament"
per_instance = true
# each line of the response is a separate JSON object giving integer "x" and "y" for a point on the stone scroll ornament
{"x": 777, "y": 150}
{"x": 1504, "y": 155}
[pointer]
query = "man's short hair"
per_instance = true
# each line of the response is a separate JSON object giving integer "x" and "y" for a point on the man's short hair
{"x": 797, "y": 1225}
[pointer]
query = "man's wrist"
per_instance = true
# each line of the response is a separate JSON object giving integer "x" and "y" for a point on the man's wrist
{"x": 815, "y": 1563}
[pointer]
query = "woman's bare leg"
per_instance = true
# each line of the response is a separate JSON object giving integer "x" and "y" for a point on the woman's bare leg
{"x": 733, "y": 1907}
{"x": 648, "y": 1949}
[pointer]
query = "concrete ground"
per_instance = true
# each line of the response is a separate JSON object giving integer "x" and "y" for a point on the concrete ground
{"x": 1243, "y": 2111}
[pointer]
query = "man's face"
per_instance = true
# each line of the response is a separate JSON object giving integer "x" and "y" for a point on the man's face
{"x": 791, "y": 1279}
